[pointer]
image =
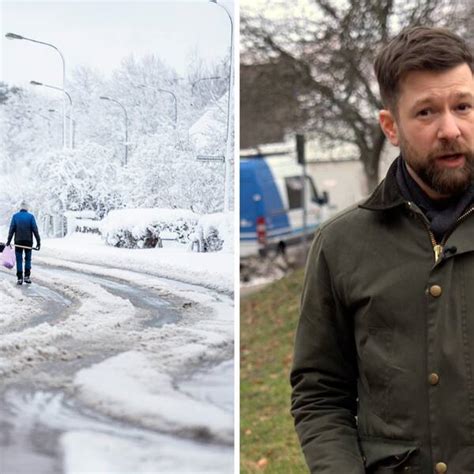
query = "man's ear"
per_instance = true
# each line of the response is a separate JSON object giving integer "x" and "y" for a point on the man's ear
{"x": 389, "y": 126}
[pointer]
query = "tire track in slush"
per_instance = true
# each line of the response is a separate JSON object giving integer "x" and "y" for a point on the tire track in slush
{"x": 30, "y": 442}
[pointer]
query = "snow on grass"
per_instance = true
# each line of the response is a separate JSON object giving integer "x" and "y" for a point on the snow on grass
{"x": 211, "y": 270}
{"x": 129, "y": 386}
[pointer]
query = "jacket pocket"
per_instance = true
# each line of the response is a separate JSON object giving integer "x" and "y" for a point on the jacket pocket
{"x": 389, "y": 457}
{"x": 375, "y": 369}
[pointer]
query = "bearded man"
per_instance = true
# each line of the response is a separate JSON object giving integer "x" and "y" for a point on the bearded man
{"x": 383, "y": 374}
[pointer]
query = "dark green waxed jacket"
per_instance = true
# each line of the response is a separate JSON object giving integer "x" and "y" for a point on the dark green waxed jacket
{"x": 383, "y": 374}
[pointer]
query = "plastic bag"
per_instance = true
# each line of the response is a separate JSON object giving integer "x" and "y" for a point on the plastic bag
{"x": 8, "y": 257}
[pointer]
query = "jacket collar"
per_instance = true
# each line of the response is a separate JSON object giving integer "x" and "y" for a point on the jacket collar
{"x": 387, "y": 194}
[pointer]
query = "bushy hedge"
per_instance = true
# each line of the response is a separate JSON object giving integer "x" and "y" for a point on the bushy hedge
{"x": 143, "y": 228}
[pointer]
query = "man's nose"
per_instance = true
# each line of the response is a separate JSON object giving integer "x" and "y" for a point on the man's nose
{"x": 448, "y": 128}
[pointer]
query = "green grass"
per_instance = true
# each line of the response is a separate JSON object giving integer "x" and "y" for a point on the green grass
{"x": 268, "y": 322}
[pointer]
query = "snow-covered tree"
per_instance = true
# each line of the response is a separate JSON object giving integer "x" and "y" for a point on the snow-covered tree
{"x": 162, "y": 168}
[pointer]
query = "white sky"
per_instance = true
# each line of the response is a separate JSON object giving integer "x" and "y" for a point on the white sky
{"x": 281, "y": 9}
{"x": 101, "y": 33}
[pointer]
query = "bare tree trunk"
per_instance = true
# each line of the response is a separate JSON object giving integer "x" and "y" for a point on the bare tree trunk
{"x": 372, "y": 175}
{"x": 372, "y": 157}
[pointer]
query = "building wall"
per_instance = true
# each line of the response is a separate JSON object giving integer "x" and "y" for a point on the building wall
{"x": 345, "y": 180}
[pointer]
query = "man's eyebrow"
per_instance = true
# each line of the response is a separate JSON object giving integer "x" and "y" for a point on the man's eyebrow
{"x": 423, "y": 101}
{"x": 431, "y": 99}
{"x": 463, "y": 95}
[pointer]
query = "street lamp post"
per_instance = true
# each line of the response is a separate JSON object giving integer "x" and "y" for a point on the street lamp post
{"x": 229, "y": 150}
{"x": 168, "y": 92}
{"x": 14, "y": 36}
{"x": 36, "y": 83}
{"x": 175, "y": 104}
{"x": 126, "y": 123}
{"x": 73, "y": 140}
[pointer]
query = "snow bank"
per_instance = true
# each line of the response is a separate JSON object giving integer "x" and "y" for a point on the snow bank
{"x": 15, "y": 306}
{"x": 211, "y": 270}
{"x": 140, "y": 228}
{"x": 130, "y": 386}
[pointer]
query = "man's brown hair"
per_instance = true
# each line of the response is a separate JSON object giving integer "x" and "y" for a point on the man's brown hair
{"x": 418, "y": 49}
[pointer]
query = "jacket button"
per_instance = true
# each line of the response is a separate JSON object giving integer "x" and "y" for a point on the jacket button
{"x": 441, "y": 468}
{"x": 433, "y": 378}
{"x": 435, "y": 290}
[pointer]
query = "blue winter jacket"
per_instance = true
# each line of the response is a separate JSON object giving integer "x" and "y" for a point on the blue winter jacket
{"x": 23, "y": 225}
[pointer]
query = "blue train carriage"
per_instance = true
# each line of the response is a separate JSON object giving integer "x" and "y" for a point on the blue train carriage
{"x": 271, "y": 214}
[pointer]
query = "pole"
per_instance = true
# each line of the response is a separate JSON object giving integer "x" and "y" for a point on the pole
{"x": 175, "y": 104}
{"x": 229, "y": 148}
{"x": 300, "y": 150}
{"x": 36, "y": 83}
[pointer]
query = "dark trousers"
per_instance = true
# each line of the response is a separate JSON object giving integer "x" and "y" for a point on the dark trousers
{"x": 19, "y": 261}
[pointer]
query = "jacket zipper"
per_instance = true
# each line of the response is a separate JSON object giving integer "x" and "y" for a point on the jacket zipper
{"x": 439, "y": 247}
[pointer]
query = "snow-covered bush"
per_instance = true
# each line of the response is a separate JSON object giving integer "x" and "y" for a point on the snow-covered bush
{"x": 214, "y": 233}
{"x": 142, "y": 228}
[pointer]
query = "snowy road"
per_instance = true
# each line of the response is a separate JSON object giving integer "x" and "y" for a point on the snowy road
{"x": 113, "y": 371}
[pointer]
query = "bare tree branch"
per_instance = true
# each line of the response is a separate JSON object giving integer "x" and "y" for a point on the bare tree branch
{"x": 328, "y": 63}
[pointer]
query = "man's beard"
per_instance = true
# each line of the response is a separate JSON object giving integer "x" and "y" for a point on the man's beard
{"x": 443, "y": 180}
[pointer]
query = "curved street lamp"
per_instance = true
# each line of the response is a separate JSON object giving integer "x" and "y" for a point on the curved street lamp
{"x": 175, "y": 104}
{"x": 229, "y": 150}
{"x": 13, "y": 36}
{"x": 168, "y": 92}
{"x": 193, "y": 85}
{"x": 126, "y": 123}
{"x": 36, "y": 83}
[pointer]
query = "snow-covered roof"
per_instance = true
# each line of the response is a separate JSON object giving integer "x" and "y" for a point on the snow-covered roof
{"x": 208, "y": 132}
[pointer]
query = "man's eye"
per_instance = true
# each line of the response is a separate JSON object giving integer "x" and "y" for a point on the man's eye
{"x": 424, "y": 113}
{"x": 464, "y": 107}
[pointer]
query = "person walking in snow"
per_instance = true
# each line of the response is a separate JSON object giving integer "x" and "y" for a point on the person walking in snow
{"x": 23, "y": 226}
